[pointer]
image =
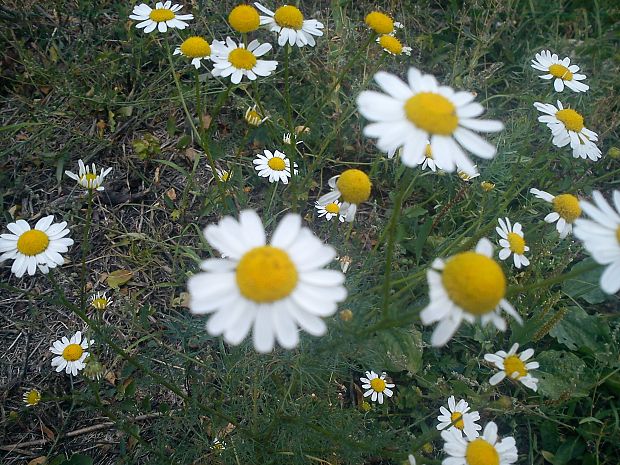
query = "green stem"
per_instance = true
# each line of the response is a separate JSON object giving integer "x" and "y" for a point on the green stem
{"x": 85, "y": 248}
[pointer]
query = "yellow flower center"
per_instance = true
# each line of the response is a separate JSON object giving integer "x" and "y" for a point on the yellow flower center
{"x": 377, "y": 385}
{"x": 244, "y": 18}
{"x": 72, "y": 352}
{"x": 391, "y": 44}
{"x": 618, "y": 234}
{"x": 253, "y": 117}
{"x": 517, "y": 243}
{"x": 487, "y": 186}
{"x": 277, "y": 164}
{"x": 379, "y": 22}
{"x": 354, "y": 186}
{"x": 289, "y": 16}
{"x": 480, "y": 452}
{"x": 240, "y": 58}
{"x": 266, "y": 274}
{"x": 332, "y": 208}
{"x": 457, "y": 419}
{"x": 567, "y": 206}
{"x": 513, "y": 364}
{"x": 571, "y": 119}
{"x": 33, "y": 397}
{"x": 225, "y": 176}
{"x": 32, "y": 242}
{"x": 561, "y": 71}
{"x": 161, "y": 14}
{"x": 474, "y": 282}
{"x": 195, "y": 47}
{"x": 432, "y": 112}
{"x": 428, "y": 153}
{"x": 100, "y": 303}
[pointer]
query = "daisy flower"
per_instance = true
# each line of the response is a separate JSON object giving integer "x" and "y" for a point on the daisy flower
{"x": 329, "y": 210}
{"x": 353, "y": 187}
{"x": 561, "y": 71}
{"x": 468, "y": 176}
{"x": 195, "y": 48}
{"x": 483, "y": 450}
{"x": 514, "y": 366}
{"x": 273, "y": 288}
{"x": 286, "y": 138}
{"x": 410, "y": 114}
{"x": 253, "y": 117}
{"x": 39, "y": 247}
{"x": 244, "y": 18}
{"x": 379, "y": 22}
{"x": 566, "y": 210}
{"x": 601, "y": 237}
{"x": 487, "y": 186}
{"x": 426, "y": 160}
{"x": 164, "y": 16}
{"x": 223, "y": 175}
{"x": 512, "y": 242}
{"x": 567, "y": 127}
{"x": 274, "y": 166}
{"x": 218, "y": 445}
{"x": 376, "y": 386}
{"x": 236, "y": 61}
{"x": 70, "y": 353}
{"x": 392, "y": 45}
{"x": 466, "y": 286}
{"x": 100, "y": 301}
{"x": 458, "y": 417}
{"x": 289, "y": 23}
{"x": 32, "y": 397}
{"x": 87, "y": 176}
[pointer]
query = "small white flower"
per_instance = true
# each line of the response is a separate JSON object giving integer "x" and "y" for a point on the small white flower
{"x": 253, "y": 117}
{"x": 289, "y": 23}
{"x": 87, "y": 176}
{"x": 427, "y": 161}
{"x": 512, "y": 242}
{"x": 566, "y": 210}
{"x": 39, "y": 247}
{"x": 514, "y": 366}
{"x": 218, "y": 445}
{"x": 164, "y": 16}
{"x": 234, "y": 60}
{"x": 286, "y": 138}
{"x": 353, "y": 186}
{"x": 561, "y": 71}
{"x": 274, "y": 166}
{"x": 195, "y": 48}
{"x": 600, "y": 236}
{"x": 483, "y": 450}
{"x": 71, "y": 353}
{"x": 100, "y": 301}
{"x": 458, "y": 417}
{"x": 467, "y": 176}
{"x": 32, "y": 397}
{"x": 329, "y": 210}
{"x": 376, "y": 386}
{"x": 223, "y": 175}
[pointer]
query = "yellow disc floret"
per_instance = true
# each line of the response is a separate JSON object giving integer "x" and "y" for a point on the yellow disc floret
{"x": 244, "y": 18}
{"x": 332, "y": 208}
{"x": 379, "y": 22}
{"x": 241, "y": 58}
{"x": 474, "y": 282}
{"x": 567, "y": 205}
{"x": 276, "y": 163}
{"x": 560, "y": 71}
{"x": 428, "y": 153}
{"x": 432, "y": 112}
{"x": 289, "y": 16}
{"x": 100, "y": 303}
{"x": 32, "y": 397}
{"x": 72, "y": 352}
{"x": 266, "y": 274}
{"x": 457, "y": 420}
{"x": 571, "y": 119}
{"x": 480, "y": 452}
{"x": 32, "y": 242}
{"x": 377, "y": 385}
{"x": 517, "y": 243}
{"x": 354, "y": 186}
{"x": 391, "y": 44}
{"x": 513, "y": 364}
{"x": 195, "y": 47}
{"x": 618, "y": 234}
{"x": 161, "y": 14}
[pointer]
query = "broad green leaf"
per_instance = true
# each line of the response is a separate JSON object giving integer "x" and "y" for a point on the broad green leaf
{"x": 580, "y": 331}
{"x": 118, "y": 278}
{"x": 561, "y": 374}
{"x": 585, "y": 286}
{"x": 402, "y": 349}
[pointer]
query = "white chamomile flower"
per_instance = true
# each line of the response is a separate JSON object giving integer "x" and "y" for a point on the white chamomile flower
{"x": 32, "y": 397}
{"x": 468, "y": 176}
{"x": 376, "y": 386}
{"x": 195, "y": 48}
{"x": 483, "y": 450}
{"x": 39, "y": 247}
{"x": 274, "y": 166}
{"x": 514, "y": 366}
{"x": 408, "y": 115}
{"x": 163, "y": 16}
{"x": 566, "y": 210}
{"x": 253, "y": 117}
{"x": 392, "y": 45}
{"x": 427, "y": 161}
{"x": 237, "y": 61}
{"x": 100, "y": 301}
{"x": 466, "y": 286}
{"x": 223, "y": 175}
{"x": 218, "y": 445}
{"x": 71, "y": 353}
{"x": 512, "y": 242}
{"x": 561, "y": 71}
{"x": 274, "y": 288}
{"x": 567, "y": 127}
{"x": 329, "y": 210}
{"x": 353, "y": 187}
{"x": 286, "y": 138}
{"x": 289, "y": 23}
{"x": 87, "y": 176}
{"x": 601, "y": 237}
{"x": 458, "y": 417}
